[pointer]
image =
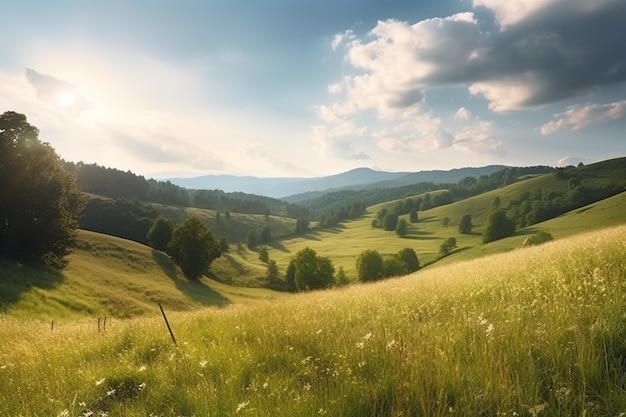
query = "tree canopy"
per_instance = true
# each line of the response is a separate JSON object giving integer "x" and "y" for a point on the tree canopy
{"x": 40, "y": 203}
{"x": 312, "y": 272}
{"x": 498, "y": 226}
{"x": 193, "y": 247}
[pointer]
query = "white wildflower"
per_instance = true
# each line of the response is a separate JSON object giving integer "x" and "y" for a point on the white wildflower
{"x": 99, "y": 382}
{"x": 111, "y": 391}
{"x": 203, "y": 364}
{"x": 241, "y": 406}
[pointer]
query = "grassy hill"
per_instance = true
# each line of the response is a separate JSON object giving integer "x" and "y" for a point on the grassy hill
{"x": 109, "y": 276}
{"x": 534, "y": 332}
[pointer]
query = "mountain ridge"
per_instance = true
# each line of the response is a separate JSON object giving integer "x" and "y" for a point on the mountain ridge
{"x": 282, "y": 187}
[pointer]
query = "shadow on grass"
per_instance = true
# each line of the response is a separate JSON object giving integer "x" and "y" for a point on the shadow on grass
{"x": 18, "y": 278}
{"x": 194, "y": 289}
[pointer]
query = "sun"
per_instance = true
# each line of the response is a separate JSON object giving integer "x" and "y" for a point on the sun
{"x": 66, "y": 99}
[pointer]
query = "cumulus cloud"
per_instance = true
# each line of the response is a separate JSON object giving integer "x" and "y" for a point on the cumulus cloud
{"x": 463, "y": 114}
{"x": 338, "y": 141}
{"x": 579, "y": 117}
{"x": 540, "y": 53}
{"x": 478, "y": 137}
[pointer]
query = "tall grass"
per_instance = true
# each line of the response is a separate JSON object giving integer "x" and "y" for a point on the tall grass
{"x": 533, "y": 332}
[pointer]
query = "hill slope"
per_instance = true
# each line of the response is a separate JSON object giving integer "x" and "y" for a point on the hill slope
{"x": 109, "y": 276}
{"x": 535, "y": 332}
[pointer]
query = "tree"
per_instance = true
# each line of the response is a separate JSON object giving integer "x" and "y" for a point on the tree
{"x": 413, "y": 217}
{"x": 390, "y": 221}
{"x": 341, "y": 279}
{"x": 253, "y": 238}
{"x": 290, "y": 276}
{"x": 266, "y": 234}
{"x": 498, "y": 226}
{"x": 264, "y": 255}
{"x": 401, "y": 228}
{"x": 193, "y": 247}
{"x": 465, "y": 226}
{"x": 40, "y": 204}
{"x": 538, "y": 238}
{"x": 409, "y": 257}
{"x": 271, "y": 274}
{"x": 312, "y": 272}
{"x": 160, "y": 233}
{"x": 448, "y": 246}
{"x": 369, "y": 265}
{"x": 224, "y": 245}
{"x": 393, "y": 266}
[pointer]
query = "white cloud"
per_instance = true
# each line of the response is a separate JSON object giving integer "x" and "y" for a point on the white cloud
{"x": 579, "y": 117}
{"x": 509, "y": 12}
{"x": 477, "y": 138}
{"x": 342, "y": 38}
{"x": 572, "y": 161}
{"x": 338, "y": 141}
{"x": 463, "y": 114}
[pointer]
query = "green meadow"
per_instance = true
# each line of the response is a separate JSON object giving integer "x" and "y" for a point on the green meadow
{"x": 537, "y": 331}
{"x": 496, "y": 329}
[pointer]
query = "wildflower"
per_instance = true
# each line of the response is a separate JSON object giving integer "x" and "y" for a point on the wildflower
{"x": 203, "y": 364}
{"x": 391, "y": 344}
{"x": 99, "y": 382}
{"x": 241, "y": 406}
{"x": 141, "y": 386}
{"x": 111, "y": 391}
{"x": 64, "y": 413}
{"x": 88, "y": 413}
{"x": 142, "y": 368}
{"x": 265, "y": 385}
{"x": 104, "y": 414}
{"x": 489, "y": 329}
{"x": 367, "y": 336}
{"x": 82, "y": 404}
{"x": 360, "y": 345}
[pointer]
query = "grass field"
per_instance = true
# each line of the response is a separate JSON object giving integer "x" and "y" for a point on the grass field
{"x": 109, "y": 276}
{"x": 533, "y": 332}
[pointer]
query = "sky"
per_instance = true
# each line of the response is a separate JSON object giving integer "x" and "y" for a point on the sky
{"x": 288, "y": 88}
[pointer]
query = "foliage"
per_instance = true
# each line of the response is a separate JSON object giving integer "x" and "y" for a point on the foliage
{"x": 312, "y": 272}
{"x": 264, "y": 255}
{"x": 538, "y": 238}
{"x": 409, "y": 258}
{"x": 39, "y": 202}
{"x": 390, "y": 221}
{"x": 160, "y": 233}
{"x": 272, "y": 274}
{"x": 224, "y": 245}
{"x": 393, "y": 266}
{"x": 498, "y": 226}
{"x": 266, "y": 234}
{"x": 465, "y": 225}
{"x": 341, "y": 279}
{"x": 302, "y": 226}
{"x": 401, "y": 228}
{"x": 120, "y": 217}
{"x": 413, "y": 216}
{"x": 193, "y": 247}
{"x": 290, "y": 276}
{"x": 448, "y": 246}
{"x": 369, "y": 266}
{"x": 253, "y": 238}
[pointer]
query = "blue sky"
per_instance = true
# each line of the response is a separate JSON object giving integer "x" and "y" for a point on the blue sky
{"x": 290, "y": 88}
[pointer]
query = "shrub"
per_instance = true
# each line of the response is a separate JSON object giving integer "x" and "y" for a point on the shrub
{"x": 538, "y": 238}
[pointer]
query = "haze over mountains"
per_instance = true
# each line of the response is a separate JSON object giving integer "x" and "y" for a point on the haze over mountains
{"x": 358, "y": 178}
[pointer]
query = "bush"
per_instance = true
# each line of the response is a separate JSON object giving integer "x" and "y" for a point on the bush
{"x": 538, "y": 238}
{"x": 448, "y": 246}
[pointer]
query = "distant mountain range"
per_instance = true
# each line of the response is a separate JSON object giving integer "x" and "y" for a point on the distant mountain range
{"x": 358, "y": 178}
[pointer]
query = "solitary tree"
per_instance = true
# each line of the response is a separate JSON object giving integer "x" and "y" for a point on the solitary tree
{"x": 465, "y": 226}
{"x": 266, "y": 234}
{"x": 40, "y": 204}
{"x": 413, "y": 215}
{"x": 160, "y": 233}
{"x": 193, "y": 247}
{"x": 290, "y": 276}
{"x": 253, "y": 238}
{"x": 272, "y": 274}
{"x": 498, "y": 226}
{"x": 369, "y": 265}
{"x": 312, "y": 272}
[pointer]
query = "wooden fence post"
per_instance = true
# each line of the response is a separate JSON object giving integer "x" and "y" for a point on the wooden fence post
{"x": 167, "y": 324}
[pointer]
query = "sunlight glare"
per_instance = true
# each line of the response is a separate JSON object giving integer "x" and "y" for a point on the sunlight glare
{"x": 65, "y": 99}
